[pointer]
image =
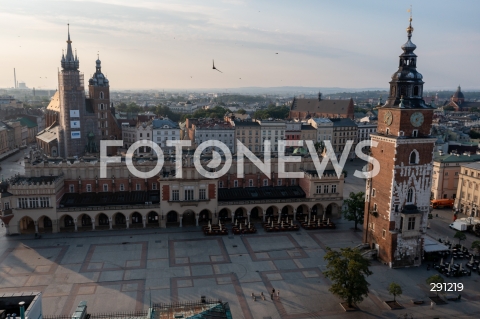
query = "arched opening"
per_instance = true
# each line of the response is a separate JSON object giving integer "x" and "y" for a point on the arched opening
{"x": 302, "y": 211}
{"x": 415, "y": 90}
{"x": 223, "y": 215}
{"x": 136, "y": 219}
{"x": 44, "y": 224}
{"x": 239, "y": 215}
{"x": 120, "y": 220}
{"x": 152, "y": 218}
{"x": 413, "y": 157}
{"x": 317, "y": 210}
{"x": 331, "y": 210}
{"x": 188, "y": 218}
{"x": 67, "y": 222}
{"x": 272, "y": 211}
{"x": 103, "y": 220}
{"x": 256, "y": 213}
{"x": 204, "y": 217}
{"x": 172, "y": 219}
{"x": 27, "y": 226}
{"x": 410, "y": 196}
{"x": 86, "y": 221}
{"x": 287, "y": 211}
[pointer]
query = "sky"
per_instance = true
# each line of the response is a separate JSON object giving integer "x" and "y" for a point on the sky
{"x": 170, "y": 44}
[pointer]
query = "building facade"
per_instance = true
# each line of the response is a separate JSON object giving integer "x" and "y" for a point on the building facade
{"x": 446, "y": 173}
{"x": 164, "y": 130}
{"x": 344, "y": 130}
{"x": 468, "y": 191}
{"x": 249, "y": 134}
{"x": 273, "y": 131}
{"x": 398, "y": 198}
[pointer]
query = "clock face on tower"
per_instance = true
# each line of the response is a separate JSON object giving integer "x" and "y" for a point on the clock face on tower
{"x": 388, "y": 119}
{"x": 416, "y": 119}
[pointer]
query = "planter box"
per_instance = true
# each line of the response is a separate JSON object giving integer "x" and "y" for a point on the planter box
{"x": 394, "y": 305}
{"x": 347, "y": 308}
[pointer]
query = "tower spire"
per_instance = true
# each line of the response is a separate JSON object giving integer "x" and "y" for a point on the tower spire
{"x": 410, "y": 28}
{"x": 69, "y": 60}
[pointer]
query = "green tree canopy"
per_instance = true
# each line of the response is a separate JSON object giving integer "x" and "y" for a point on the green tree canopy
{"x": 272, "y": 111}
{"x": 348, "y": 269}
{"x": 241, "y": 111}
{"x": 355, "y": 206}
{"x": 476, "y": 246}
{"x": 460, "y": 236}
{"x": 395, "y": 290}
{"x": 435, "y": 279}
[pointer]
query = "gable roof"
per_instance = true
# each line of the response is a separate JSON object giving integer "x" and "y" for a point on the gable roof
{"x": 54, "y": 104}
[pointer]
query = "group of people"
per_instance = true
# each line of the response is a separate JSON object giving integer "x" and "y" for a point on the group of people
{"x": 272, "y": 295}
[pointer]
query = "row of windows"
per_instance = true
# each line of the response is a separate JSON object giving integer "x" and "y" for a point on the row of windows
{"x": 165, "y": 133}
{"x": 270, "y": 132}
{"x": 33, "y": 202}
{"x": 213, "y": 135}
{"x": 333, "y": 189}
{"x": 88, "y": 187}
{"x": 189, "y": 194}
{"x": 250, "y": 183}
{"x": 249, "y": 132}
{"x": 472, "y": 173}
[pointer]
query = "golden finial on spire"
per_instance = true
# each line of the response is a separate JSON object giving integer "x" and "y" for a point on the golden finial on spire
{"x": 410, "y": 28}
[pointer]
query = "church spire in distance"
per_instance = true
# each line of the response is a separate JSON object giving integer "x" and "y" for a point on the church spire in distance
{"x": 407, "y": 82}
{"x": 69, "y": 62}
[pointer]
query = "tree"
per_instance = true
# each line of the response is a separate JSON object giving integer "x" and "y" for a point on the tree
{"x": 355, "y": 206}
{"x": 476, "y": 246}
{"x": 435, "y": 279}
{"x": 460, "y": 236}
{"x": 395, "y": 290}
{"x": 241, "y": 111}
{"x": 348, "y": 269}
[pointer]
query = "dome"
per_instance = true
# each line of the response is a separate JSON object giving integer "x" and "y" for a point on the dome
{"x": 458, "y": 94}
{"x": 409, "y": 45}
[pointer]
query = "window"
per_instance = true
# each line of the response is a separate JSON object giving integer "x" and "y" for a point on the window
{"x": 89, "y": 188}
{"x": 235, "y": 183}
{"x": 175, "y": 195}
{"x": 101, "y": 96}
{"x": 279, "y": 182}
{"x": 105, "y": 187}
{"x": 140, "y": 134}
{"x": 45, "y": 202}
{"x": 411, "y": 223}
{"x": 319, "y": 189}
{"x": 7, "y": 205}
{"x": 325, "y": 189}
{"x": 396, "y": 208}
{"x": 154, "y": 186}
{"x": 292, "y": 181}
{"x": 72, "y": 188}
{"x": 415, "y": 133}
{"x": 265, "y": 182}
{"x": 202, "y": 194}
{"x": 250, "y": 183}
{"x": 410, "y": 196}
{"x": 384, "y": 233}
{"x": 373, "y": 192}
{"x": 122, "y": 187}
{"x": 138, "y": 187}
{"x": 188, "y": 194}
{"x": 375, "y": 207}
{"x": 413, "y": 157}
{"x": 220, "y": 184}
{"x": 334, "y": 188}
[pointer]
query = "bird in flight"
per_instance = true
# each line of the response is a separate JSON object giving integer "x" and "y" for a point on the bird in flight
{"x": 276, "y": 53}
{"x": 215, "y": 67}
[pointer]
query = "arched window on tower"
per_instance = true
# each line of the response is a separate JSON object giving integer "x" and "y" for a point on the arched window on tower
{"x": 403, "y": 90}
{"x": 410, "y": 196}
{"x": 101, "y": 95}
{"x": 415, "y": 90}
{"x": 413, "y": 157}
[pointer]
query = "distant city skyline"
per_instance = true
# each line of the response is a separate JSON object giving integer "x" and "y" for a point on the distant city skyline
{"x": 170, "y": 44}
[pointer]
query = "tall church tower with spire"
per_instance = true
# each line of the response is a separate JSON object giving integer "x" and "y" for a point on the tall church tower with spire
{"x": 398, "y": 198}
{"x": 99, "y": 100}
{"x": 77, "y": 122}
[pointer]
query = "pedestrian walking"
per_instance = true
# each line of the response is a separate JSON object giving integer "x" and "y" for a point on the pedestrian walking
{"x": 254, "y": 298}
{"x": 271, "y": 295}
{"x": 262, "y": 295}
{"x": 253, "y": 295}
{"x": 432, "y": 304}
{"x": 273, "y": 291}
{"x": 278, "y": 294}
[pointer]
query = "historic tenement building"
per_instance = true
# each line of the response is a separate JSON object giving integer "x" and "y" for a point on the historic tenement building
{"x": 304, "y": 109}
{"x": 74, "y": 123}
{"x": 398, "y": 198}
{"x": 69, "y": 195}
{"x": 467, "y": 200}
